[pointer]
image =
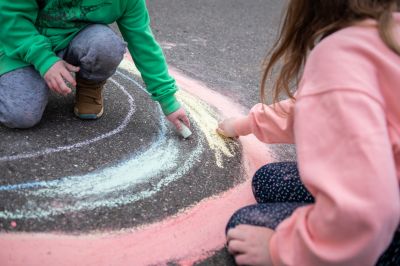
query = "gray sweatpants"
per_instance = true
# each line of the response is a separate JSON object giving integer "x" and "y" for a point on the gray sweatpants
{"x": 97, "y": 50}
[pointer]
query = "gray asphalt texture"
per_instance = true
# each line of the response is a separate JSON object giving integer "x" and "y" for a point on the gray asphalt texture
{"x": 219, "y": 42}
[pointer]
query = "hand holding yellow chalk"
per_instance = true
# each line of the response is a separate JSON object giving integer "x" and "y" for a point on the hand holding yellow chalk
{"x": 226, "y": 128}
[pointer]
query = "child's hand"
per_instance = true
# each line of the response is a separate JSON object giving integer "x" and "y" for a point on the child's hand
{"x": 226, "y": 128}
{"x": 55, "y": 77}
{"x": 177, "y": 117}
{"x": 250, "y": 245}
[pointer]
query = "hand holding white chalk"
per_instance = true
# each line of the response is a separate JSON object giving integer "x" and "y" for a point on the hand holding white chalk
{"x": 177, "y": 117}
{"x": 185, "y": 131}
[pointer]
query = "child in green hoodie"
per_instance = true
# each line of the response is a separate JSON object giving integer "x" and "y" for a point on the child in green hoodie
{"x": 43, "y": 41}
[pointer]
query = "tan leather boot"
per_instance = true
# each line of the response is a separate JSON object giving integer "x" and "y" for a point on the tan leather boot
{"x": 88, "y": 99}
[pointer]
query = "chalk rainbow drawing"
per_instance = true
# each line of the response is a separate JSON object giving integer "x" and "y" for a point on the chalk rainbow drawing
{"x": 148, "y": 244}
{"x": 97, "y": 189}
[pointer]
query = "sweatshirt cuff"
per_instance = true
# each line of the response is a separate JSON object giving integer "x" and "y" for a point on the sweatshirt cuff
{"x": 44, "y": 60}
{"x": 242, "y": 126}
{"x": 273, "y": 252}
{"x": 169, "y": 105}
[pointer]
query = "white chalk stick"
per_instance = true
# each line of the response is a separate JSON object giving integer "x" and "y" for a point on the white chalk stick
{"x": 185, "y": 131}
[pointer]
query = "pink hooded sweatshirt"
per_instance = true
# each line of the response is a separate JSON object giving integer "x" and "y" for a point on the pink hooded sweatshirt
{"x": 346, "y": 127}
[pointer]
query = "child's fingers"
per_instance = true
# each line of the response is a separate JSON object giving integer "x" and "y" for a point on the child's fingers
{"x": 62, "y": 87}
{"x": 234, "y": 234}
{"x": 225, "y": 128}
{"x": 236, "y": 246}
{"x": 186, "y": 121}
{"x": 221, "y": 132}
{"x": 71, "y": 67}
{"x": 51, "y": 85}
{"x": 54, "y": 86}
{"x": 66, "y": 75}
{"x": 177, "y": 124}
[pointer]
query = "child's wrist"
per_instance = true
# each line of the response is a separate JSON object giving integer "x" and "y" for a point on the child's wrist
{"x": 241, "y": 126}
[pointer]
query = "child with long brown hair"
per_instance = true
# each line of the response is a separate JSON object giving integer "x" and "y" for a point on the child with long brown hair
{"x": 340, "y": 203}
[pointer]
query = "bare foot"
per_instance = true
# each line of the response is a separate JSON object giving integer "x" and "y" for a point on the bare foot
{"x": 250, "y": 245}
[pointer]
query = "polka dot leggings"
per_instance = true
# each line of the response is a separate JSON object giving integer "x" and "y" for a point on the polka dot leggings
{"x": 278, "y": 191}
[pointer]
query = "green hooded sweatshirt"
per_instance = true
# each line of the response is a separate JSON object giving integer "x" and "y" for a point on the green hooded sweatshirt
{"x": 32, "y": 31}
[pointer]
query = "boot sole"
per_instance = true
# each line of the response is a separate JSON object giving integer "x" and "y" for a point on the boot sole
{"x": 88, "y": 116}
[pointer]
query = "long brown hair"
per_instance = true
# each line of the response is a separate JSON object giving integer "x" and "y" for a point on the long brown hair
{"x": 308, "y": 21}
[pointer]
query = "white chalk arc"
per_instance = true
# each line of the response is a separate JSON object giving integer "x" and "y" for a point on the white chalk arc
{"x": 105, "y": 188}
{"x": 98, "y": 189}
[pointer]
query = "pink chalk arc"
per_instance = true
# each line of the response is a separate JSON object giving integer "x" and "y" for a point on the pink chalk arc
{"x": 185, "y": 238}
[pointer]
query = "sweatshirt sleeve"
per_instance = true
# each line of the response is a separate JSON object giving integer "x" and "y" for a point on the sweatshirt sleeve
{"x": 147, "y": 55}
{"x": 19, "y": 37}
{"x": 346, "y": 162}
{"x": 268, "y": 125}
